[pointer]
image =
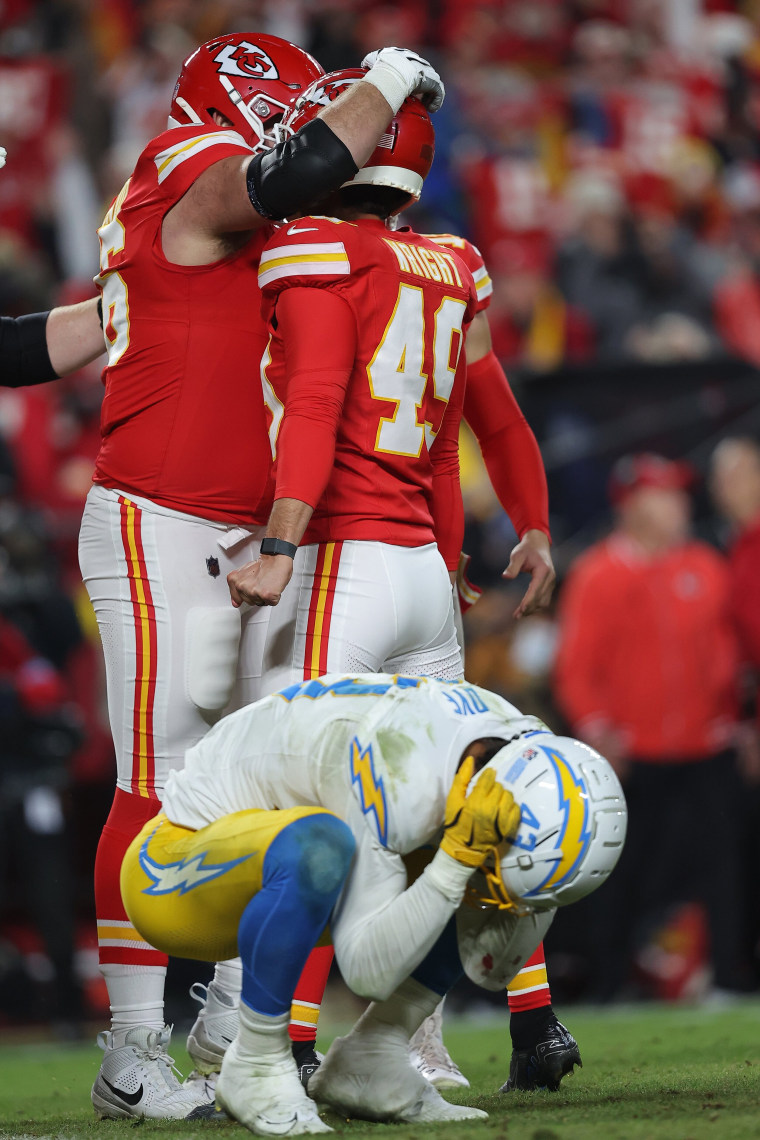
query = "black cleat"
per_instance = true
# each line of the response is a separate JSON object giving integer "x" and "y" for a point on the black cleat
{"x": 307, "y": 1059}
{"x": 545, "y": 1064}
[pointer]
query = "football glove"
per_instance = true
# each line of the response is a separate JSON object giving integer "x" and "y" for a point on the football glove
{"x": 3, "y": 153}
{"x": 477, "y": 823}
{"x": 398, "y": 73}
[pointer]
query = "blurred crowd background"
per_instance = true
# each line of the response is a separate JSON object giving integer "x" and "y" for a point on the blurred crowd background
{"x": 604, "y": 155}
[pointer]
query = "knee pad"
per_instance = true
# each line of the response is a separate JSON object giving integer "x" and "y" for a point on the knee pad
{"x": 315, "y": 853}
{"x": 213, "y": 645}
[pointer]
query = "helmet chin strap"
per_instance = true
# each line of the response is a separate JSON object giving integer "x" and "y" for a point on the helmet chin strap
{"x": 191, "y": 114}
{"x": 498, "y": 897}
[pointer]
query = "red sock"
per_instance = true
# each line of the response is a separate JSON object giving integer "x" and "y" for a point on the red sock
{"x": 304, "y": 1012}
{"x": 118, "y": 941}
{"x": 530, "y": 988}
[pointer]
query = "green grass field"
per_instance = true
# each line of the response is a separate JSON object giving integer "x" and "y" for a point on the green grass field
{"x": 675, "y": 1074}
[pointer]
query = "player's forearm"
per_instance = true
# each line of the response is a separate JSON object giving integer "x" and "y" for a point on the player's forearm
{"x": 517, "y": 475}
{"x": 43, "y": 346}
{"x": 448, "y": 517}
{"x": 358, "y": 118}
{"x": 74, "y": 336}
{"x": 289, "y": 520}
{"x": 377, "y": 952}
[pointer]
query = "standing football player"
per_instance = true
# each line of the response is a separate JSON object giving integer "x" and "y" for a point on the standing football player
{"x": 297, "y": 812}
{"x": 364, "y": 380}
{"x": 182, "y": 477}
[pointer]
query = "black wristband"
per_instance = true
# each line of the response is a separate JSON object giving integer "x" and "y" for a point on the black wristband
{"x": 24, "y": 357}
{"x": 278, "y": 546}
{"x": 100, "y": 309}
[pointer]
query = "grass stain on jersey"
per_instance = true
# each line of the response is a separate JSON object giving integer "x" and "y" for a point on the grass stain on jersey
{"x": 396, "y": 748}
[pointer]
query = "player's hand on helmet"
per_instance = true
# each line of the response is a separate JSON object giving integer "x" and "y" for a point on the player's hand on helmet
{"x": 260, "y": 583}
{"x": 399, "y": 73}
{"x": 477, "y": 822}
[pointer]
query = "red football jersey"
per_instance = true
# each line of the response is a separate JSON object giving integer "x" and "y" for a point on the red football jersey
{"x": 473, "y": 259}
{"x": 183, "y": 423}
{"x": 405, "y": 305}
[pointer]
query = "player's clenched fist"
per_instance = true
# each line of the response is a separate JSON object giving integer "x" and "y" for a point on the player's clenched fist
{"x": 476, "y": 823}
{"x": 398, "y": 73}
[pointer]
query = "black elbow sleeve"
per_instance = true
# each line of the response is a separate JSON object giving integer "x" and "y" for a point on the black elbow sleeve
{"x": 24, "y": 357}
{"x": 296, "y": 174}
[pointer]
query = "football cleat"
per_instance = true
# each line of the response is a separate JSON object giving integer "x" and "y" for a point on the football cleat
{"x": 430, "y": 1056}
{"x": 139, "y": 1079}
{"x": 371, "y": 1077}
{"x": 307, "y": 1060}
{"x": 215, "y": 1027}
{"x": 545, "y": 1064}
{"x": 266, "y": 1096}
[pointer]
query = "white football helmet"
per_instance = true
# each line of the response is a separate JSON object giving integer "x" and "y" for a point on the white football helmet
{"x": 573, "y": 820}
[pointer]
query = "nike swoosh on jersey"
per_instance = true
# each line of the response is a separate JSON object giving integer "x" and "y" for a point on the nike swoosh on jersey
{"x": 301, "y": 230}
{"x": 128, "y": 1098}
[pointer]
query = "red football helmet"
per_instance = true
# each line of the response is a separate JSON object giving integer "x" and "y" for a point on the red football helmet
{"x": 404, "y": 154}
{"x": 250, "y": 79}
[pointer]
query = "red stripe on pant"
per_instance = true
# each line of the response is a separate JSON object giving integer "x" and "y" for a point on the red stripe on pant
{"x": 320, "y": 609}
{"x": 146, "y": 645}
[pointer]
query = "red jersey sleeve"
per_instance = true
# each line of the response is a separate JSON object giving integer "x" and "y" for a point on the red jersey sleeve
{"x": 174, "y": 159}
{"x": 312, "y": 253}
{"x": 510, "y": 451}
{"x": 319, "y": 334}
{"x": 447, "y": 506}
{"x": 473, "y": 259}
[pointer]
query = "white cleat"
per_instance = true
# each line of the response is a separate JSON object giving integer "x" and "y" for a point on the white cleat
{"x": 215, "y": 1027}
{"x": 430, "y": 1056}
{"x": 139, "y": 1079}
{"x": 431, "y": 1108}
{"x": 266, "y": 1097}
{"x": 370, "y": 1076}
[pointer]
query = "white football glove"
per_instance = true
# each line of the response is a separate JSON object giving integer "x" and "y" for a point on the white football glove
{"x": 398, "y": 73}
{"x": 3, "y": 153}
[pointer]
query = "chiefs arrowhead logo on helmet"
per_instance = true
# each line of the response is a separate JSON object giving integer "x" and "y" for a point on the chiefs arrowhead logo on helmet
{"x": 249, "y": 78}
{"x": 245, "y": 59}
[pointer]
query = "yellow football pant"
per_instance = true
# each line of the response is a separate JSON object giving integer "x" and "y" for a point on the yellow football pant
{"x": 185, "y": 890}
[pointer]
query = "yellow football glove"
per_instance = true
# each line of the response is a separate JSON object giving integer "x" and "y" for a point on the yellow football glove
{"x": 476, "y": 823}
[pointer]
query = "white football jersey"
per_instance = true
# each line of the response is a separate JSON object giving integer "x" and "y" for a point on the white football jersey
{"x": 377, "y": 750}
{"x": 380, "y": 752}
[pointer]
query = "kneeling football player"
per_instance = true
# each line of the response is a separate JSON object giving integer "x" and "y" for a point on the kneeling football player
{"x": 292, "y": 818}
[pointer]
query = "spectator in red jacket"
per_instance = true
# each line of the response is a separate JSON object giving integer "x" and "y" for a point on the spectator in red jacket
{"x": 735, "y": 485}
{"x": 646, "y": 673}
{"x": 736, "y": 490}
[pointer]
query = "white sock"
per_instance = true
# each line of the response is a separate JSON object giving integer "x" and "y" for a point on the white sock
{"x": 263, "y": 1037}
{"x": 228, "y": 977}
{"x": 136, "y": 996}
{"x": 405, "y": 1010}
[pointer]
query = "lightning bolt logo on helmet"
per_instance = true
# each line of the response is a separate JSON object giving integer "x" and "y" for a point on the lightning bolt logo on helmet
{"x": 575, "y": 834}
{"x": 245, "y": 59}
{"x": 371, "y": 789}
{"x": 182, "y": 876}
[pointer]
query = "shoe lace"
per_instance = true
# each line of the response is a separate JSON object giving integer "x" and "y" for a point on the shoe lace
{"x": 155, "y": 1050}
{"x": 431, "y": 1048}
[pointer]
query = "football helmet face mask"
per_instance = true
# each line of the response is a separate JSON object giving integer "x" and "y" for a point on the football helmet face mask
{"x": 572, "y": 825}
{"x": 404, "y": 154}
{"x": 250, "y": 79}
